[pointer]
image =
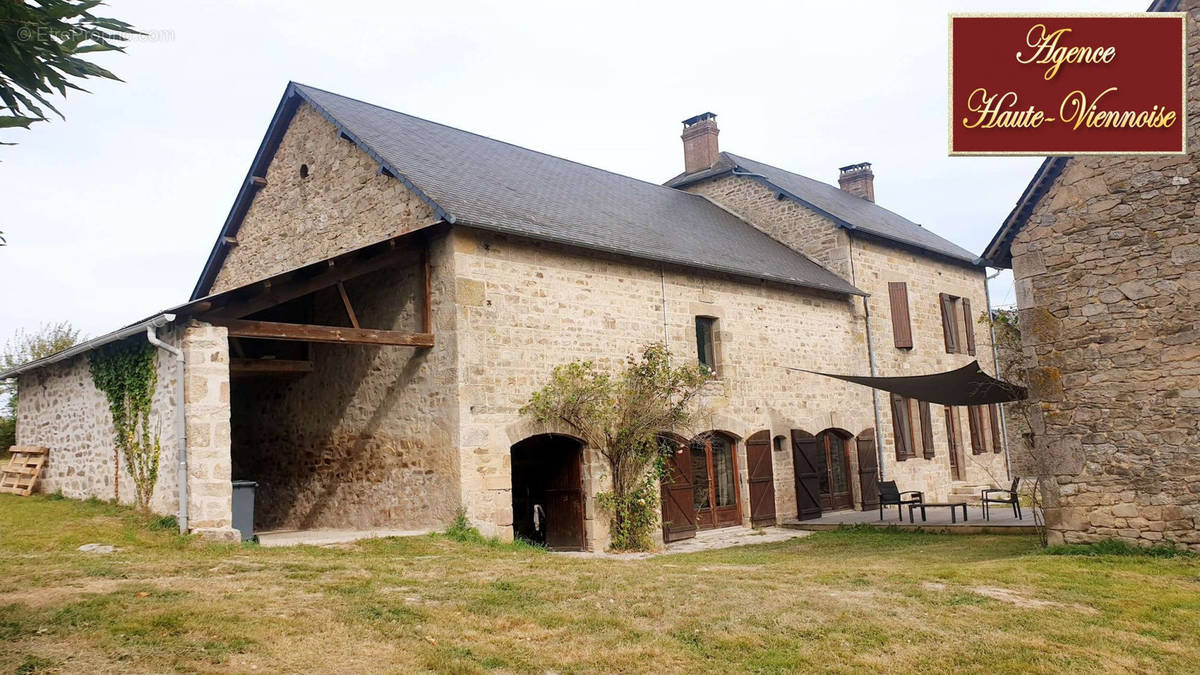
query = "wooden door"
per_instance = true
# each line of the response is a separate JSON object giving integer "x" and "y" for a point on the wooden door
{"x": 868, "y": 470}
{"x": 955, "y": 439}
{"x": 808, "y": 463}
{"x": 715, "y": 489}
{"x": 835, "y": 487}
{"x": 564, "y": 503}
{"x": 679, "y": 511}
{"x": 762, "y": 479}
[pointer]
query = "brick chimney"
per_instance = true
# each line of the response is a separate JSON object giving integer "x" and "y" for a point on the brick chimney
{"x": 858, "y": 180}
{"x": 700, "y": 142}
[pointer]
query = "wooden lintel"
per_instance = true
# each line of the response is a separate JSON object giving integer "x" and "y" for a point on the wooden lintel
{"x": 350, "y": 308}
{"x": 300, "y": 332}
{"x": 269, "y": 367}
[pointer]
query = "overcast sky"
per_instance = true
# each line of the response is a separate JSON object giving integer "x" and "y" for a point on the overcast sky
{"x": 110, "y": 214}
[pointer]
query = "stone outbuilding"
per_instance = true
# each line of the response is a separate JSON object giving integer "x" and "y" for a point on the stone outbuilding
{"x": 1105, "y": 254}
{"x": 387, "y": 292}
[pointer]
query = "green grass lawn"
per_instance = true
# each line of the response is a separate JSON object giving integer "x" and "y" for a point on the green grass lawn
{"x": 839, "y": 601}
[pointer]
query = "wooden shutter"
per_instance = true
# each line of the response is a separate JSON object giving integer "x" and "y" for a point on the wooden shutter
{"x": 926, "y": 429}
{"x": 761, "y": 478}
{"x": 949, "y": 331}
{"x": 975, "y": 422}
{"x": 994, "y": 414}
{"x": 678, "y": 500}
{"x": 901, "y": 428}
{"x": 901, "y": 326}
{"x": 969, "y": 326}
{"x": 868, "y": 470}
{"x": 807, "y": 461}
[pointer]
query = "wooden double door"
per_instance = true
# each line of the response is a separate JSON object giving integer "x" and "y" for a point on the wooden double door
{"x": 824, "y": 480}
{"x": 701, "y": 490}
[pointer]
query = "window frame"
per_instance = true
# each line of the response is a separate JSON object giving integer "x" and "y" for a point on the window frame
{"x": 706, "y": 341}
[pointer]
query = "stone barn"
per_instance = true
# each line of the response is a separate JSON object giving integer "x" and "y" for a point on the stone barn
{"x": 1105, "y": 254}
{"x": 387, "y": 292}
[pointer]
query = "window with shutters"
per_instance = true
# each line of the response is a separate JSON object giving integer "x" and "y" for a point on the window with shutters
{"x": 902, "y": 430}
{"x": 926, "y": 429}
{"x": 901, "y": 324}
{"x": 958, "y": 327}
{"x": 975, "y": 422}
{"x": 705, "y": 344}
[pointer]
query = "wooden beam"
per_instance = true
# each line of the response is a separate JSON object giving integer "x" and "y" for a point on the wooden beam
{"x": 349, "y": 308}
{"x": 269, "y": 367}
{"x": 301, "y": 332}
{"x": 279, "y": 293}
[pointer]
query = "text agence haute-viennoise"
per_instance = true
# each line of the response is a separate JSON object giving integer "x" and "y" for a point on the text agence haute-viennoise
{"x": 996, "y": 110}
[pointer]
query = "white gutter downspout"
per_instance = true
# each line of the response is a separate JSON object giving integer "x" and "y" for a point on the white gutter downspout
{"x": 987, "y": 294}
{"x": 180, "y": 419}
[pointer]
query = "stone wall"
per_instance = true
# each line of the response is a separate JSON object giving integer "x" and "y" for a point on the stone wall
{"x": 206, "y": 396}
{"x": 343, "y": 204}
{"x": 525, "y": 306}
{"x": 60, "y": 408}
{"x": 368, "y": 439}
{"x": 788, "y": 221}
{"x": 869, "y": 264}
{"x": 875, "y": 264}
{"x": 1108, "y": 287}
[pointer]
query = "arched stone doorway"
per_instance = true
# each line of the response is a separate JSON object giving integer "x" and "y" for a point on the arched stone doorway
{"x": 547, "y": 491}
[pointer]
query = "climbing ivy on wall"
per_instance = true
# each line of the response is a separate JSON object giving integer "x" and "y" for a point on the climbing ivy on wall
{"x": 125, "y": 372}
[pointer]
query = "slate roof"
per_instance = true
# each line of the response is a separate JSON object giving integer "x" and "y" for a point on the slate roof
{"x": 845, "y": 209}
{"x": 473, "y": 180}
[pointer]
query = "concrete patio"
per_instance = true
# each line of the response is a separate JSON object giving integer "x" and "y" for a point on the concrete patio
{"x": 938, "y": 520}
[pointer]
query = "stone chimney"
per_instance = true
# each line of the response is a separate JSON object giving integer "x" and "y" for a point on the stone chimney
{"x": 700, "y": 142}
{"x": 858, "y": 180}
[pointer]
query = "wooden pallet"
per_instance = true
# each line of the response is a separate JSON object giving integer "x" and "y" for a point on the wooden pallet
{"x": 21, "y": 473}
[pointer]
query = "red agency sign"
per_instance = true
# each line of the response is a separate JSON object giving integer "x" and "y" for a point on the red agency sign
{"x": 1068, "y": 85}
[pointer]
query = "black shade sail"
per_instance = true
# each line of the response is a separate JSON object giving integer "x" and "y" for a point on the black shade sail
{"x": 968, "y": 385}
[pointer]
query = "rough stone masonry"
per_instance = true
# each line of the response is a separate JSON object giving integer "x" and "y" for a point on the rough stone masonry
{"x": 1107, "y": 273}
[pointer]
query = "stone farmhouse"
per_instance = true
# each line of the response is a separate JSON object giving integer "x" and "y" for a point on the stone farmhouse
{"x": 387, "y": 292}
{"x": 1105, "y": 253}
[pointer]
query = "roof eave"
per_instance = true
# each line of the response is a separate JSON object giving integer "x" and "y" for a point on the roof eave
{"x": 998, "y": 253}
{"x": 156, "y": 321}
{"x": 850, "y": 289}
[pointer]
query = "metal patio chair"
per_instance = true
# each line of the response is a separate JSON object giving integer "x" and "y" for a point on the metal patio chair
{"x": 890, "y": 495}
{"x": 1009, "y": 497}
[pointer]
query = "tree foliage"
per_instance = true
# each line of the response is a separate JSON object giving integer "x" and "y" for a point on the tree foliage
{"x": 43, "y": 43}
{"x": 621, "y": 415}
{"x": 24, "y": 347}
{"x": 125, "y": 372}
{"x": 1029, "y": 458}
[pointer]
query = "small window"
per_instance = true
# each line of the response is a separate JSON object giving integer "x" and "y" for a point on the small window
{"x": 780, "y": 443}
{"x": 705, "y": 346}
{"x": 304, "y": 171}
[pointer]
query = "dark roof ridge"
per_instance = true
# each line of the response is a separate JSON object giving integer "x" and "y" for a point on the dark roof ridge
{"x": 486, "y": 138}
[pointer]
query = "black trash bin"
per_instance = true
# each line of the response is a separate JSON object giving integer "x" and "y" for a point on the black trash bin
{"x": 243, "y": 507}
